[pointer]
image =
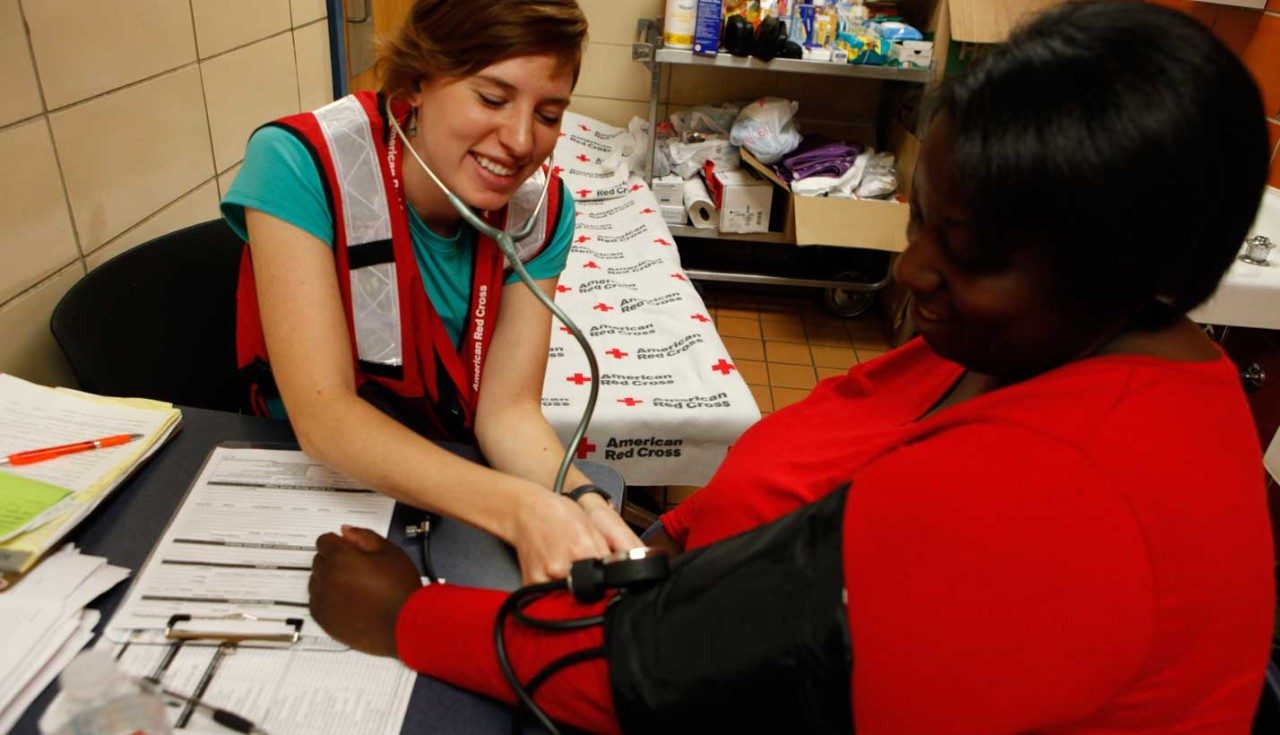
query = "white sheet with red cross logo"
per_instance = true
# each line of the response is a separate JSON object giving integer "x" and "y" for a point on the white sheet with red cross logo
{"x": 671, "y": 400}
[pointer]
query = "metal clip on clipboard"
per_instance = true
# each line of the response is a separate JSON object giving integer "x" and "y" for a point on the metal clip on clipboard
{"x": 229, "y": 631}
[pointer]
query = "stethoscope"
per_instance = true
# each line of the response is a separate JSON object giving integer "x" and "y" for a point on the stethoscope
{"x": 507, "y": 244}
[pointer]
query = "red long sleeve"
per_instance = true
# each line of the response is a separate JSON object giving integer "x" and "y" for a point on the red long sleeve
{"x": 446, "y": 631}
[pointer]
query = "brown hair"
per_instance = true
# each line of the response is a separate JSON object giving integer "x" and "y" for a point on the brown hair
{"x": 455, "y": 38}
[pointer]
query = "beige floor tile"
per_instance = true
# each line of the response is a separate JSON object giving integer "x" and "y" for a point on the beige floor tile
{"x": 822, "y": 319}
{"x": 831, "y": 336}
{"x": 780, "y": 313}
{"x": 38, "y": 239}
{"x": 222, "y": 25}
{"x": 867, "y": 355}
{"x": 783, "y": 397}
{"x": 791, "y": 376}
{"x": 867, "y": 332}
{"x": 731, "y": 327}
{"x": 741, "y": 348}
{"x": 738, "y": 312}
{"x": 833, "y": 357}
{"x": 236, "y": 109}
{"x": 783, "y": 331}
{"x": 305, "y": 11}
{"x": 826, "y": 372}
{"x": 796, "y": 353}
{"x": 752, "y": 371}
{"x": 764, "y": 400}
{"x": 19, "y": 91}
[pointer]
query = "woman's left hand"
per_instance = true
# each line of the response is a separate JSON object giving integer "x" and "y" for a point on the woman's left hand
{"x": 359, "y": 583}
{"x": 615, "y": 530}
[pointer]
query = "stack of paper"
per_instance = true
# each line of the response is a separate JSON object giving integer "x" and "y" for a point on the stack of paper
{"x": 43, "y": 624}
{"x": 41, "y": 502}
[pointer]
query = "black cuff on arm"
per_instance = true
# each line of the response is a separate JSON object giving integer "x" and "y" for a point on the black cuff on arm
{"x": 576, "y": 494}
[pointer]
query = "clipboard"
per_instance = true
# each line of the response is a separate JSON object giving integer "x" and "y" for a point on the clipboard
{"x": 280, "y": 621}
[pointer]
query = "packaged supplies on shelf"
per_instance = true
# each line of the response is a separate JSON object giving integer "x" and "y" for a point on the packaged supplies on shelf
{"x": 847, "y": 223}
{"x": 669, "y": 190}
{"x": 706, "y": 27}
{"x": 893, "y": 30}
{"x": 678, "y": 23}
{"x": 767, "y": 128}
{"x": 865, "y": 47}
{"x": 712, "y": 119}
{"x": 913, "y": 53}
{"x": 744, "y": 200}
{"x": 818, "y": 156}
{"x": 842, "y": 186}
{"x": 880, "y": 181}
{"x": 687, "y": 159}
{"x": 698, "y": 203}
{"x": 674, "y": 214}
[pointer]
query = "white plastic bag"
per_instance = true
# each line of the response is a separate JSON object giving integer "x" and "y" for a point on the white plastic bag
{"x": 767, "y": 128}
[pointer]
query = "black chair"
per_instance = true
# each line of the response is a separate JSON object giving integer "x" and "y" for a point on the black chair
{"x": 158, "y": 321}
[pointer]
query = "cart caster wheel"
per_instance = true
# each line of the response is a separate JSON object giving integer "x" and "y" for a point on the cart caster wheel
{"x": 845, "y": 303}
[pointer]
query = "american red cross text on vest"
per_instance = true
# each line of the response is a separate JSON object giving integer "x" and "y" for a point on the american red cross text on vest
{"x": 585, "y": 447}
{"x": 723, "y": 367}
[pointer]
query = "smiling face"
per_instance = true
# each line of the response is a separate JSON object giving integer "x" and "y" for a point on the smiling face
{"x": 485, "y": 134}
{"x": 996, "y": 308}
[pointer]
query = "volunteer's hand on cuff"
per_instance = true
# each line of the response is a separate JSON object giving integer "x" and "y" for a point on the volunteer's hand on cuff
{"x": 602, "y": 515}
{"x": 359, "y": 582}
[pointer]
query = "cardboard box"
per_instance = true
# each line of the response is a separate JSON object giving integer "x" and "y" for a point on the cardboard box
{"x": 669, "y": 190}
{"x": 744, "y": 199}
{"x": 850, "y": 223}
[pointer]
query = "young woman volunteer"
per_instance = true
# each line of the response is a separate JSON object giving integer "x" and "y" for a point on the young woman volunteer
{"x": 376, "y": 316}
{"x": 1047, "y": 515}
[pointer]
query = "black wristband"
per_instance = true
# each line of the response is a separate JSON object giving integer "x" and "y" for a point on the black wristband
{"x": 576, "y": 494}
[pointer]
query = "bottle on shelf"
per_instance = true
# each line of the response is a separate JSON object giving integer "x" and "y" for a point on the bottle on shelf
{"x": 97, "y": 698}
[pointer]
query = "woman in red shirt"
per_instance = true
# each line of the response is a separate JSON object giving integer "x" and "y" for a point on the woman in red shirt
{"x": 1050, "y": 507}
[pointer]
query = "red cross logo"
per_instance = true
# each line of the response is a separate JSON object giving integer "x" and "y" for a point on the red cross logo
{"x": 561, "y": 288}
{"x": 629, "y": 401}
{"x": 700, "y": 318}
{"x": 722, "y": 367}
{"x": 583, "y": 157}
{"x": 662, "y": 241}
{"x": 556, "y": 170}
{"x": 579, "y": 378}
{"x": 566, "y": 330}
{"x": 637, "y": 187}
{"x": 585, "y": 447}
{"x": 583, "y": 238}
{"x": 617, "y": 353}
{"x": 583, "y": 193}
{"x": 585, "y": 129}
{"x": 646, "y": 210}
{"x": 590, "y": 264}
{"x": 602, "y": 307}
{"x": 679, "y": 275}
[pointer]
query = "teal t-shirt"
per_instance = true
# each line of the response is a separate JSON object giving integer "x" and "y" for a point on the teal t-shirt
{"x": 280, "y": 178}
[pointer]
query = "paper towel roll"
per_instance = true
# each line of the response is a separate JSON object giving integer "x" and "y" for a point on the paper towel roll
{"x": 697, "y": 202}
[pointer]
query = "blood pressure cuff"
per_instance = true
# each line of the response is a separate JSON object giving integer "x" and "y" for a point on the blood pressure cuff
{"x": 746, "y": 635}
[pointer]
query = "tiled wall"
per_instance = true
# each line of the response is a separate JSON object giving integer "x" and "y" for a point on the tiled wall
{"x": 1255, "y": 37}
{"x": 121, "y": 120}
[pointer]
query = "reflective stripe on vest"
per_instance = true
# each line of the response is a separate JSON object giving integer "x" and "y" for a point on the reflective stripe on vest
{"x": 375, "y": 298}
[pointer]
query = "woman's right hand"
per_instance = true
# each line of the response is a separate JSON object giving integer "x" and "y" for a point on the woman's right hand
{"x": 550, "y": 533}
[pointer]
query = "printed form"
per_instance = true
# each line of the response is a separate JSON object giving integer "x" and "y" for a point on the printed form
{"x": 242, "y": 543}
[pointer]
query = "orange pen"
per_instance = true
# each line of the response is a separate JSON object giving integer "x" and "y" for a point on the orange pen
{"x": 39, "y": 455}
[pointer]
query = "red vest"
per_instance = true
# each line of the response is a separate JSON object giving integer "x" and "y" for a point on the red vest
{"x": 405, "y": 362}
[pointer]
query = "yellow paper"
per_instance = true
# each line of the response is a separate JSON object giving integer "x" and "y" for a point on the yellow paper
{"x": 23, "y": 500}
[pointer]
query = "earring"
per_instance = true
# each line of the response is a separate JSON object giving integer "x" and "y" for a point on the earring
{"x": 412, "y": 126}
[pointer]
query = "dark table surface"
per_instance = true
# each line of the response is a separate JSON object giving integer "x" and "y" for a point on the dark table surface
{"x": 130, "y": 521}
